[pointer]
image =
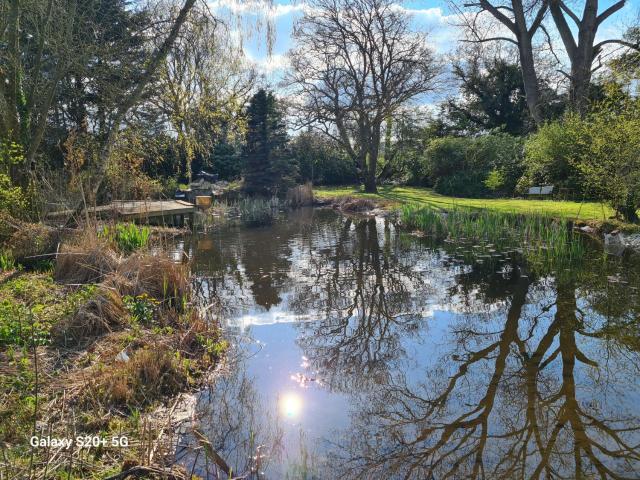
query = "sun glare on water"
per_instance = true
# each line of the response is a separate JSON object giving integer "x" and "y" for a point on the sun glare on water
{"x": 290, "y": 405}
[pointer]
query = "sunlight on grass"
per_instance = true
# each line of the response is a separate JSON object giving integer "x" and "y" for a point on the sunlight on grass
{"x": 427, "y": 197}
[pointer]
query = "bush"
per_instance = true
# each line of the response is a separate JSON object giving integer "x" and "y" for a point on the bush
{"x": 462, "y": 166}
{"x": 127, "y": 236}
{"x": 596, "y": 156}
{"x": 322, "y": 161}
{"x": 462, "y": 184}
{"x": 610, "y": 166}
{"x": 551, "y": 155}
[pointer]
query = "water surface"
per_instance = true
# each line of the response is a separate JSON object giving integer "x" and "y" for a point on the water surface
{"x": 360, "y": 351}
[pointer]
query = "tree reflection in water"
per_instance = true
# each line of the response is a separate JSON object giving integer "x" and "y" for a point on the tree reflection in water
{"x": 524, "y": 372}
{"x": 369, "y": 297}
{"x": 538, "y": 392}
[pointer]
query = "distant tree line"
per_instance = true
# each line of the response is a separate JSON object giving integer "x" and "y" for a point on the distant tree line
{"x": 102, "y": 99}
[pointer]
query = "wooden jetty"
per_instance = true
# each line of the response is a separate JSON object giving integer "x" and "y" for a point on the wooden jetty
{"x": 164, "y": 212}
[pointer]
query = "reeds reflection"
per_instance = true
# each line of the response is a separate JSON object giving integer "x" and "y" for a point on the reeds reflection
{"x": 452, "y": 362}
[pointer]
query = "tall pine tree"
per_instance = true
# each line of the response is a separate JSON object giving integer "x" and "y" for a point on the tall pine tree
{"x": 269, "y": 165}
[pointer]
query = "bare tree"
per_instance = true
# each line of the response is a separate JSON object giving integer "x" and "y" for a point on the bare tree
{"x": 354, "y": 65}
{"x": 581, "y": 47}
{"x": 523, "y": 21}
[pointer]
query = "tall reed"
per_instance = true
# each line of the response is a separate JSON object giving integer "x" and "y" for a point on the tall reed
{"x": 256, "y": 211}
{"x": 540, "y": 236}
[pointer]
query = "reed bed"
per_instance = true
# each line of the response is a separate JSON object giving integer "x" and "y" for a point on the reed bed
{"x": 541, "y": 237}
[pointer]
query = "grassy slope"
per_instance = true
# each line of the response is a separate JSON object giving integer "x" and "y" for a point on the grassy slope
{"x": 592, "y": 211}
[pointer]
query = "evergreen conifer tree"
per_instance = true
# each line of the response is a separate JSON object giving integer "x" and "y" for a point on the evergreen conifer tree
{"x": 268, "y": 163}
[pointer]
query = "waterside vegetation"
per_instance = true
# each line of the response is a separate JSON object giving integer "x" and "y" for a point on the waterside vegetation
{"x": 95, "y": 344}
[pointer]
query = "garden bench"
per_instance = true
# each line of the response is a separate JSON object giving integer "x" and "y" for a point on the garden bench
{"x": 543, "y": 191}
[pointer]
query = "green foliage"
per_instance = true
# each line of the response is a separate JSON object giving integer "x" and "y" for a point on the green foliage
{"x": 611, "y": 164}
{"x": 227, "y": 161}
{"x": 596, "y": 156}
{"x": 30, "y": 304}
{"x": 459, "y": 166}
{"x": 7, "y": 262}
{"x": 127, "y": 236}
{"x": 321, "y": 161}
{"x": 269, "y": 166}
{"x": 12, "y": 198}
{"x": 142, "y": 308}
{"x": 495, "y": 180}
{"x": 494, "y": 98}
{"x": 214, "y": 347}
{"x": 551, "y": 154}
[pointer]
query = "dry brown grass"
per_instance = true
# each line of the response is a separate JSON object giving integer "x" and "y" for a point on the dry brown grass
{"x": 31, "y": 243}
{"x": 85, "y": 259}
{"x": 301, "y": 195}
{"x": 103, "y": 313}
{"x": 157, "y": 276}
{"x": 352, "y": 205}
{"x": 152, "y": 373}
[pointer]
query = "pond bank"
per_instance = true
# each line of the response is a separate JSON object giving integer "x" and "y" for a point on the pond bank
{"x": 98, "y": 342}
{"x": 587, "y": 217}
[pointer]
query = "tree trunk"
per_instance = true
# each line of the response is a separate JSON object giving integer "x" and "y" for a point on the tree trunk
{"x": 529, "y": 77}
{"x": 581, "y": 53}
{"x": 629, "y": 211}
{"x": 372, "y": 163}
{"x": 12, "y": 119}
{"x": 581, "y": 65}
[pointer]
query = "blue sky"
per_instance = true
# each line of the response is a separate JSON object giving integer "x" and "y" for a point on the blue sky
{"x": 429, "y": 15}
{"x": 433, "y": 16}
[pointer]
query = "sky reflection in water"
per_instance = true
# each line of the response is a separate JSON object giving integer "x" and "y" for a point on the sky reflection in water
{"x": 360, "y": 352}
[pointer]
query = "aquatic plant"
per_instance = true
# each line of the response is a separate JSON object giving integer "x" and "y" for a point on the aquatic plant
{"x": 257, "y": 211}
{"x": 129, "y": 237}
{"x": 7, "y": 262}
{"x": 300, "y": 195}
{"x": 541, "y": 237}
{"x": 141, "y": 308}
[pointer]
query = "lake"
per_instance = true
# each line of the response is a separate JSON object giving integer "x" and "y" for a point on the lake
{"x": 361, "y": 351}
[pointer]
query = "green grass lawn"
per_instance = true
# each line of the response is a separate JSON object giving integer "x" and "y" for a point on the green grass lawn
{"x": 424, "y": 196}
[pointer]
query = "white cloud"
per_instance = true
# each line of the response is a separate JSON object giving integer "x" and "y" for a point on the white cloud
{"x": 269, "y": 64}
{"x": 256, "y": 8}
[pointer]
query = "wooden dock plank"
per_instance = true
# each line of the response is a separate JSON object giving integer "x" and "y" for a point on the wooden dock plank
{"x": 137, "y": 209}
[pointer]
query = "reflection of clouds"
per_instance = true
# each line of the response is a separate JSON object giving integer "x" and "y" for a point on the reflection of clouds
{"x": 487, "y": 356}
{"x": 270, "y": 317}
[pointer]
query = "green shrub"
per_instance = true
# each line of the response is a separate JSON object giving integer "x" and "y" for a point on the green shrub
{"x": 127, "y": 236}
{"x": 551, "y": 155}
{"x": 461, "y": 166}
{"x": 597, "y": 156}
{"x": 462, "y": 184}
{"x": 495, "y": 180}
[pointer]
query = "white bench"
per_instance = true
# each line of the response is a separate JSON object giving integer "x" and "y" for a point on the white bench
{"x": 542, "y": 191}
